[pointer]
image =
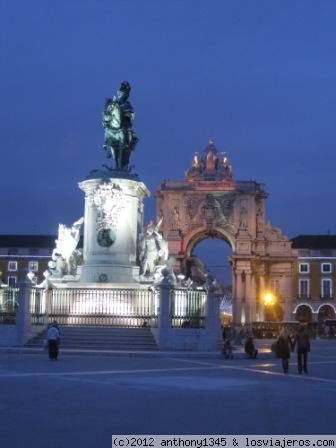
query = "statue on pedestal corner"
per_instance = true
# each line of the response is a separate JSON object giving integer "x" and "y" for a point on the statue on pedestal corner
{"x": 119, "y": 138}
{"x": 153, "y": 251}
{"x": 66, "y": 257}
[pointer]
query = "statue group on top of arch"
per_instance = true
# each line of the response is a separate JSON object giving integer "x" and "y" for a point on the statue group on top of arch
{"x": 119, "y": 138}
{"x": 153, "y": 253}
{"x": 211, "y": 166}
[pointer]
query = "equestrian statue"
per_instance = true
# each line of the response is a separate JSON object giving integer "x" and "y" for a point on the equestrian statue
{"x": 119, "y": 138}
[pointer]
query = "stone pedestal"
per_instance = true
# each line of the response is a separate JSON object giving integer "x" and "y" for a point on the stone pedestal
{"x": 113, "y": 223}
{"x": 23, "y": 315}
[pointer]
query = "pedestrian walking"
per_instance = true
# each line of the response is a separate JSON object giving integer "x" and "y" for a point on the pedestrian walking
{"x": 284, "y": 348}
{"x": 302, "y": 344}
{"x": 227, "y": 349}
{"x": 250, "y": 349}
{"x": 53, "y": 338}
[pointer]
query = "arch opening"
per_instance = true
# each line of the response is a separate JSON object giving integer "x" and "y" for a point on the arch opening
{"x": 209, "y": 255}
{"x": 304, "y": 314}
{"x": 326, "y": 312}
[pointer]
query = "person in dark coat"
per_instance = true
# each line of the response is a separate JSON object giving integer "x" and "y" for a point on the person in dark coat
{"x": 53, "y": 338}
{"x": 250, "y": 349}
{"x": 227, "y": 349}
{"x": 283, "y": 349}
{"x": 302, "y": 343}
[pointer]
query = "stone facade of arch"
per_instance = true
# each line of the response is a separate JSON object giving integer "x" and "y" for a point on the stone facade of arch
{"x": 210, "y": 203}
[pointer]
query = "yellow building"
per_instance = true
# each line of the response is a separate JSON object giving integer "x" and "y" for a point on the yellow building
{"x": 314, "y": 278}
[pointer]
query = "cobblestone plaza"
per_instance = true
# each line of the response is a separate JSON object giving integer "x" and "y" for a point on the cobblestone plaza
{"x": 83, "y": 400}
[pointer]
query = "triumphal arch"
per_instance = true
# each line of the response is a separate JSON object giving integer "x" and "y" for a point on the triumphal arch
{"x": 209, "y": 202}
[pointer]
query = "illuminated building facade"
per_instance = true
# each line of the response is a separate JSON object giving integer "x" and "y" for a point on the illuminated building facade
{"x": 211, "y": 203}
{"x": 314, "y": 277}
{"x": 20, "y": 254}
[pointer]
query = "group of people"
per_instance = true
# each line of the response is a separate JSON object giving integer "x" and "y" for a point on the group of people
{"x": 250, "y": 348}
{"x": 284, "y": 345}
{"x": 287, "y": 343}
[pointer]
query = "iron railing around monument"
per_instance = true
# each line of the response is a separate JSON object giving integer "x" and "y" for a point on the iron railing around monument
{"x": 187, "y": 308}
{"x": 8, "y": 304}
{"x": 37, "y": 306}
{"x": 104, "y": 307}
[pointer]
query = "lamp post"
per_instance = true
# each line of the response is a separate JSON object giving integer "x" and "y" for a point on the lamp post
{"x": 269, "y": 301}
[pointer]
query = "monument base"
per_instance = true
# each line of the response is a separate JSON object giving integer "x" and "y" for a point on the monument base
{"x": 112, "y": 226}
{"x": 99, "y": 273}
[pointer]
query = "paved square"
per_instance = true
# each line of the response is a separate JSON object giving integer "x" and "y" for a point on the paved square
{"x": 83, "y": 400}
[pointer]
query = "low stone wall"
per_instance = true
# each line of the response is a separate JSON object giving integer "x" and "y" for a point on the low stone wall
{"x": 186, "y": 339}
{"x": 155, "y": 333}
{"x": 191, "y": 339}
{"x": 8, "y": 335}
{"x": 35, "y": 330}
{"x": 169, "y": 337}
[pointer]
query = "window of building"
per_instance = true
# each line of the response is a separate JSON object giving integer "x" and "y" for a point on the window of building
{"x": 12, "y": 280}
{"x": 326, "y": 288}
{"x": 303, "y": 288}
{"x": 33, "y": 266}
{"x": 12, "y": 265}
{"x": 304, "y": 268}
{"x": 275, "y": 286}
{"x": 326, "y": 268}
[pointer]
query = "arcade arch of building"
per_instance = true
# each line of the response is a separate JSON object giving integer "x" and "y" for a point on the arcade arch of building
{"x": 314, "y": 312}
{"x": 210, "y": 203}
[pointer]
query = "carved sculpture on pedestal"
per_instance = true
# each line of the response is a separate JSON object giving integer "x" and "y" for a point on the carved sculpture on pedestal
{"x": 66, "y": 257}
{"x": 153, "y": 251}
{"x": 108, "y": 200}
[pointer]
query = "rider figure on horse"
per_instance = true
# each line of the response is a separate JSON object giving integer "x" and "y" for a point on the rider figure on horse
{"x": 118, "y": 117}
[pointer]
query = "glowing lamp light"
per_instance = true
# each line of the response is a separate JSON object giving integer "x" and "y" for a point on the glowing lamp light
{"x": 268, "y": 298}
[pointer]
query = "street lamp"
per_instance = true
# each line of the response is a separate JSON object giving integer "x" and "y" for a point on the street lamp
{"x": 269, "y": 298}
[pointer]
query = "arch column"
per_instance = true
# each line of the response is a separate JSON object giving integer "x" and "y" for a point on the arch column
{"x": 236, "y": 296}
{"x": 250, "y": 305}
{"x": 288, "y": 294}
{"x": 244, "y": 293}
{"x": 260, "y": 314}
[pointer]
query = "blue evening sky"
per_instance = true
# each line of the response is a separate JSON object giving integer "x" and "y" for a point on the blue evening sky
{"x": 258, "y": 77}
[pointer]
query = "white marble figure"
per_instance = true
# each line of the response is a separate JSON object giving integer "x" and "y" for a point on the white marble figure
{"x": 46, "y": 283}
{"x": 32, "y": 277}
{"x": 176, "y": 221}
{"x": 260, "y": 220}
{"x": 2, "y": 283}
{"x": 196, "y": 163}
{"x": 153, "y": 251}
{"x": 65, "y": 257}
{"x": 227, "y": 167}
{"x": 243, "y": 219}
{"x": 108, "y": 199}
